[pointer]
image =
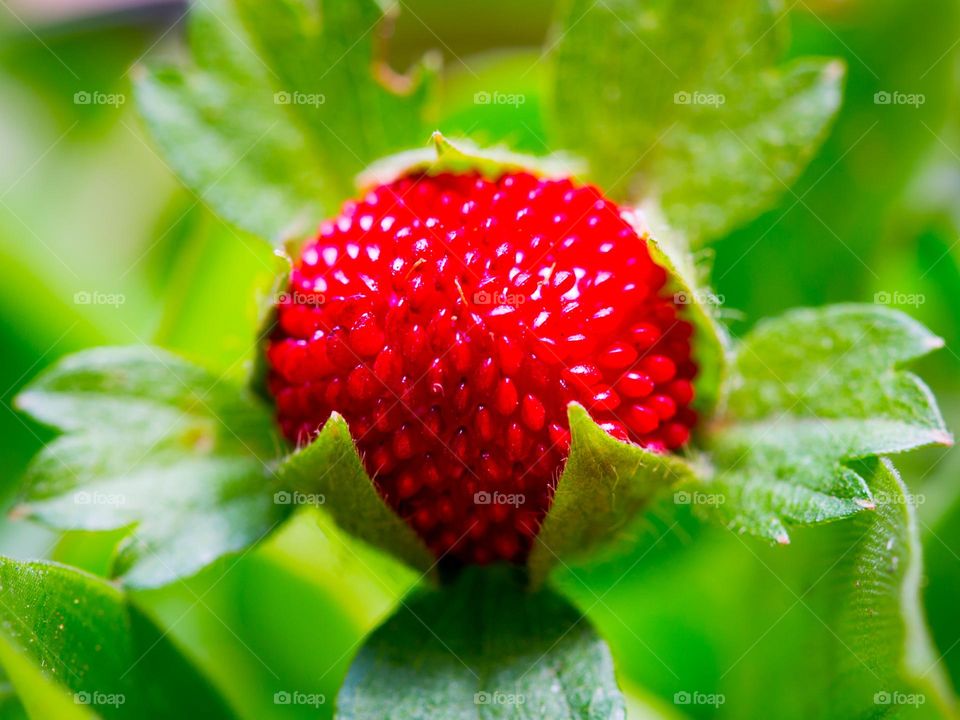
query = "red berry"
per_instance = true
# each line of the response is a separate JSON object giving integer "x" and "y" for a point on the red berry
{"x": 663, "y": 405}
{"x": 505, "y": 398}
{"x": 618, "y": 356}
{"x": 451, "y": 320}
{"x": 635, "y": 385}
{"x": 681, "y": 391}
{"x": 660, "y": 368}
{"x": 533, "y": 413}
{"x": 642, "y": 419}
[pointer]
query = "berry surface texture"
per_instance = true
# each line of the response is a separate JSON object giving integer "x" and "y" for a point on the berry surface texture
{"x": 451, "y": 319}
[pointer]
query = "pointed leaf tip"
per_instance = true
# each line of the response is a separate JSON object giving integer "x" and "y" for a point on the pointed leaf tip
{"x": 605, "y": 488}
{"x": 461, "y": 156}
{"x": 330, "y": 467}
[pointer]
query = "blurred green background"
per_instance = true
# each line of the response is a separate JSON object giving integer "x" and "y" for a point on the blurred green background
{"x": 100, "y": 245}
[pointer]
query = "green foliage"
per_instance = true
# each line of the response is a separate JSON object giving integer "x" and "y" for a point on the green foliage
{"x": 703, "y": 122}
{"x": 74, "y": 648}
{"x": 279, "y": 109}
{"x": 606, "y": 486}
{"x": 328, "y": 472}
{"x": 158, "y": 445}
{"x": 483, "y": 647}
{"x": 829, "y": 627}
{"x": 881, "y": 620}
{"x": 285, "y": 618}
{"x": 809, "y": 392}
{"x": 683, "y": 103}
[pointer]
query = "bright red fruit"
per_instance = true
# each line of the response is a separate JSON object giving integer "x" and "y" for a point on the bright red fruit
{"x": 451, "y": 319}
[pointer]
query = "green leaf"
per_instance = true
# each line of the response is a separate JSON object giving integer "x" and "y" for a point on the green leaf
{"x": 605, "y": 487}
{"x": 74, "y": 648}
{"x": 158, "y": 445}
{"x": 829, "y": 627}
{"x": 809, "y": 392}
{"x": 329, "y": 472}
{"x": 720, "y": 169}
{"x": 486, "y": 648}
{"x": 279, "y": 109}
{"x": 40, "y": 697}
{"x": 10, "y": 706}
{"x": 682, "y": 103}
{"x": 284, "y": 619}
{"x": 884, "y": 567}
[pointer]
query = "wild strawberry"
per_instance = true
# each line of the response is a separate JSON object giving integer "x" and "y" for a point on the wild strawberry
{"x": 451, "y": 319}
